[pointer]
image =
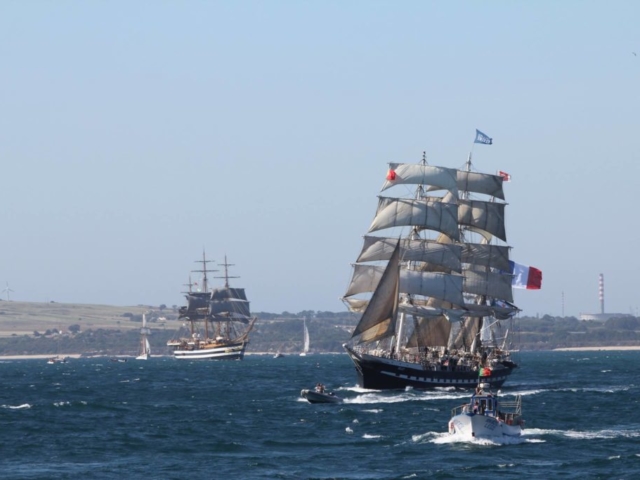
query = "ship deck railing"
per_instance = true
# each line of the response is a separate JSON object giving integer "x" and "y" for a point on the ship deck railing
{"x": 509, "y": 411}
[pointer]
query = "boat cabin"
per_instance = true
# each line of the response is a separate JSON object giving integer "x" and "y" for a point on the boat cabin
{"x": 486, "y": 403}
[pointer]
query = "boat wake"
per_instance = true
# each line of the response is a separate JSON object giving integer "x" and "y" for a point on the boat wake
{"x": 585, "y": 435}
{"x": 448, "y": 438}
{"x": 373, "y": 397}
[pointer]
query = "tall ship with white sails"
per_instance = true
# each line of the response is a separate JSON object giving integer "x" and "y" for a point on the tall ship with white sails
{"x": 436, "y": 289}
{"x": 219, "y": 320}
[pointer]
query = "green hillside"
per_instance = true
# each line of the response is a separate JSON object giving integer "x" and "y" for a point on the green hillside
{"x": 28, "y": 328}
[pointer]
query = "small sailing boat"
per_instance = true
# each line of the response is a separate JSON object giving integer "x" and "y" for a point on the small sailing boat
{"x": 433, "y": 297}
{"x": 145, "y": 348}
{"x": 223, "y": 314}
{"x": 305, "y": 346}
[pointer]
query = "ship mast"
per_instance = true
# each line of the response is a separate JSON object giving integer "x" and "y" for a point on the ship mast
{"x": 190, "y": 285}
{"x": 226, "y": 272}
{"x": 415, "y": 234}
{"x": 204, "y": 271}
{"x": 205, "y": 287}
{"x": 226, "y": 277}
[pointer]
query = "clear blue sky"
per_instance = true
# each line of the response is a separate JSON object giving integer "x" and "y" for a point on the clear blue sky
{"x": 133, "y": 134}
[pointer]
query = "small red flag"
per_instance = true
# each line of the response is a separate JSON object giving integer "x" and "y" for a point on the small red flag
{"x": 505, "y": 175}
{"x": 391, "y": 175}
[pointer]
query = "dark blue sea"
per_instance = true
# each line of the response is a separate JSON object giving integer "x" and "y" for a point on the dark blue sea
{"x": 169, "y": 419}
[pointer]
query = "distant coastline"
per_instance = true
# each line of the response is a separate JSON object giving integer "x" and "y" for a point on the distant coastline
{"x": 77, "y": 355}
{"x": 38, "y": 357}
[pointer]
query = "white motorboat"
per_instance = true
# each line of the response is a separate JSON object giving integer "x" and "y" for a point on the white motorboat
{"x": 487, "y": 417}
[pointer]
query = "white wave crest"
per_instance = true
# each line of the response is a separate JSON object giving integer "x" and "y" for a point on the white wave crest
{"x": 368, "y": 436}
{"x": 406, "y": 396}
{"x": 17, "y": 407}
{"x": 583, "y": 435}
{"x": 607, "y": 434}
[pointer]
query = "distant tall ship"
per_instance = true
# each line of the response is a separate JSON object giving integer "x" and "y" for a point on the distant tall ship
{"x": 434, "y": 297}
{"x": 219, "y": 320}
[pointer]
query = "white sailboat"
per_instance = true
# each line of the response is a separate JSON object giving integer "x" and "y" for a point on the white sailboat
{"x": 145, "y": 348}
{"x": 305, "y": 348}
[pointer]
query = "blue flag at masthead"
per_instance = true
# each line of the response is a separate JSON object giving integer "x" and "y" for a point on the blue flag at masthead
{"x": 482, "y": 138}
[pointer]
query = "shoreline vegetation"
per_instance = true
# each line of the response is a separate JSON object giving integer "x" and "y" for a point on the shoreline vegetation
{"x": 51, "y": 329}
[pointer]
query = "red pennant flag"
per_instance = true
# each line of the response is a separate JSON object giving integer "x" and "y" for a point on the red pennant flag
{"x": 505, "y": 175}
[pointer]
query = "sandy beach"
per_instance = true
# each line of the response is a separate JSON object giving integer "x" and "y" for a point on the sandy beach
{"x": 77, "y": 355}
{"x": 38, "y": 357}
{"x": 593, "y": 349}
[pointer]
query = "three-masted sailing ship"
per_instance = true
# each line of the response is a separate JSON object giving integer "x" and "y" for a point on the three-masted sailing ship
{"x": 435, "y": 294}
{"x": 219, "y": 320}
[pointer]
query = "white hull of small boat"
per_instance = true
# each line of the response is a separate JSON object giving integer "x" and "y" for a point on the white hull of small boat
{"x": 316, "y": 397}
{"x": 475, "y": 426}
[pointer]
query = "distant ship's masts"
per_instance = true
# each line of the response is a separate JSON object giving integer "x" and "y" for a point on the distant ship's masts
{"x": 204, "y": 271}
{"x": 190, "y": 285}
{"x": 226, "y": 272}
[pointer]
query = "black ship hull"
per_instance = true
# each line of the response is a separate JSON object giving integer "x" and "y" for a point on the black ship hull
{"x": 380, "y": 373}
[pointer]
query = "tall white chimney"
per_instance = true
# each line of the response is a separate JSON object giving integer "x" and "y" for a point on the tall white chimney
{"x": 601, "y": 292}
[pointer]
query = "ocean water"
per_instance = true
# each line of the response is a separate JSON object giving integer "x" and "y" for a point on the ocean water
{"x": 168, "y": 419}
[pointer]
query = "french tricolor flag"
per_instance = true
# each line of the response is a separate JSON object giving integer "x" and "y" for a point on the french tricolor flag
{"x": 525, "y": 276}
